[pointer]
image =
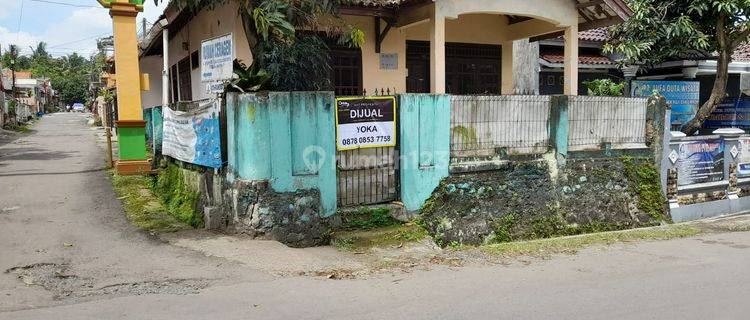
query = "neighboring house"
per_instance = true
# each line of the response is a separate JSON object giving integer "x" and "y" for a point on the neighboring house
{"x": 593, "y": 64}
{"x": 34, "y": 93}
{"x": 453, "y": 46}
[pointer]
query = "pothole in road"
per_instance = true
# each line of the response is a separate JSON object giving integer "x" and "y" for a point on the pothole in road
{"x": 58, "y": 279}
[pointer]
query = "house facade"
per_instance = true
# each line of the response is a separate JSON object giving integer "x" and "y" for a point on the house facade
{"x": 594, "y": 64}
{"x": 411, "y": 46}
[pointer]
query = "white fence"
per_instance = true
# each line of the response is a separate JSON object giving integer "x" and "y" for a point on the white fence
{"x": 598, "y": 120}
{"x": 487, "y": 126}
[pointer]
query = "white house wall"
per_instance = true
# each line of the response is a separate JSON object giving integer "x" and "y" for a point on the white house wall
{"x": 207, "y": 25}
{"x": 152, "y": 65}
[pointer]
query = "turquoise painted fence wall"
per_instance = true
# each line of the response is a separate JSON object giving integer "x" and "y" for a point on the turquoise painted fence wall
{"x": 425, "y": 146}
{"x": 154, "y": 130}
{"x": 285, "y": 138}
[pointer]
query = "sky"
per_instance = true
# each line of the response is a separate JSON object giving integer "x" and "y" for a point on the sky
{"x": 66, "y": 26}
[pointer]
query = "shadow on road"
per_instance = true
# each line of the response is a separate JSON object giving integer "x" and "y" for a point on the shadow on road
{"x": 50, "y": 173}
{"x": 10, "y": 154}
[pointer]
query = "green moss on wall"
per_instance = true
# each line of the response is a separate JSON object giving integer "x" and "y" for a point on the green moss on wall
{"x": 522, "y": 202}
{"x": 179, "y": 198}
{"x": 644, "y": 183}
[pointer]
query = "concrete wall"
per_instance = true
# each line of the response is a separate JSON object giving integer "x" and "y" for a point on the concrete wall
{"x": 285, "y": 138}
{"x": 152, "y": 65}
{"x": 425, "y": 146}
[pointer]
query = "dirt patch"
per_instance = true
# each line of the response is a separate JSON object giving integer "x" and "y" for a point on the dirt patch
{"x": 65, "y": 284}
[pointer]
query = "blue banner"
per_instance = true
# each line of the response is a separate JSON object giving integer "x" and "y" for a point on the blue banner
{"x": 700, "y": 161}
{"x": 732, "y": 112}
{"x": 193, "y": 136}
{"x": 683, "y": 97}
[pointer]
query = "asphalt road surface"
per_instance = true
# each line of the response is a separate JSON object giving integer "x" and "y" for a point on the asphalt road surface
{"x": 67, "y": 252}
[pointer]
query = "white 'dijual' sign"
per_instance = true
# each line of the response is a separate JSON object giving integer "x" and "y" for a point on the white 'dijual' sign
{"x": 217, "y": 57}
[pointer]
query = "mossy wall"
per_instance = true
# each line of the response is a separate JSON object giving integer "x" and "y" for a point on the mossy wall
{"x": 523, "y": 201}
{"x": 178, "y": 189}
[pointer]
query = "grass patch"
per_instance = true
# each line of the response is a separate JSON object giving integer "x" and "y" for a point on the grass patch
{"x": 364, "y": 240}
{"x": 545, "y": 247}
{"x": 22, "y": 128}
{"x": 142, "y": 208}
{"x": 368, "y": 218}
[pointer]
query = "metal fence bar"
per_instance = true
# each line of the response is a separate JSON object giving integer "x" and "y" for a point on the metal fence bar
{"x": 491, "y": 126}
{"x": 595, "y": 121}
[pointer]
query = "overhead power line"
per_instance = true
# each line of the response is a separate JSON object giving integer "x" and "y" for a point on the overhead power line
{"x": 79, "y": 40}
{"x": 68, "y": 4}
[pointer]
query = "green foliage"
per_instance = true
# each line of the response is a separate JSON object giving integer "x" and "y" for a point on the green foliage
{"x": 503, "y": 228}
{"x": 303, "y": 64}
{"x": 604, "y": 87}
{"x": 249, "y": 79}
{"x": 662, "y": 30}
{"x": 178, "y": 196}
{"x": 69, "y": 74}
{"x": 367, "y": 219}
{"x": 645, "y": 183}
{"x": 12, "y": 104}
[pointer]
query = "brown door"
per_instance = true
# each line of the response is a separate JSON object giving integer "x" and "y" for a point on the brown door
{"x": 418, "y": 67}
{"x": 469, "y": 68}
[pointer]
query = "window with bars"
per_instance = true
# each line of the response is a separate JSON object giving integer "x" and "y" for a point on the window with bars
{"x": 183, "y": 74}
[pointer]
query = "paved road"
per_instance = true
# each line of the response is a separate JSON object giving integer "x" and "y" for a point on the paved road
{"x": 53, "y": 192}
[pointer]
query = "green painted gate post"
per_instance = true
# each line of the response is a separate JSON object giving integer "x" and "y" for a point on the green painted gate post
{"x": 425, "y": 146}
{"x": 559, "y": 127}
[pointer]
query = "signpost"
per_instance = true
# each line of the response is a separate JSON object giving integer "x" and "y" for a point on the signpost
{"x": 368, "y": 122}
{"x": 682, "y": 96}
{"x": 217, "y": 62}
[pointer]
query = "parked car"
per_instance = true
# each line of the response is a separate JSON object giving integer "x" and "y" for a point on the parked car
{"x": 78, "y": 107}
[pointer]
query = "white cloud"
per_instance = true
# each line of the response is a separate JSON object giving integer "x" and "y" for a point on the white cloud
{"x": 76, "y": 33}
{"x": 22, "y": 39}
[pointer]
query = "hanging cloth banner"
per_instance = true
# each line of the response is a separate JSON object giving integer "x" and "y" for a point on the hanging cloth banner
{"x": 193, "y": 136}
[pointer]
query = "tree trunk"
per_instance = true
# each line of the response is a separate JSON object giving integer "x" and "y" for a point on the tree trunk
{"x": 720, "y": 85}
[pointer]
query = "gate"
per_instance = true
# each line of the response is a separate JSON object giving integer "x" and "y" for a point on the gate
{"x": 369, "y": 175}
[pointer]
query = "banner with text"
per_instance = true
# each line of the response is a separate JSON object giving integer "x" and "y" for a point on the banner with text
{"x": 700, "y": 161}
{"x": 365, "y": 122}
{"x": 743, "y": 158}
{"x": 193, "y": 136}
{"x": 732, "y": 112}
{"x": 217, "y": 62}
{"x": 682, "y": 96}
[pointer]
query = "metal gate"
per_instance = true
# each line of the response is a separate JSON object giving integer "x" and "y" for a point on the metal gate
{"x": 368, "y": 176}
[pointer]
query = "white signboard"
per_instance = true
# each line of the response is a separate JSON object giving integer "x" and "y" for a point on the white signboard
{"x": 217, "y": 57}
{"x": 366, "y": 122}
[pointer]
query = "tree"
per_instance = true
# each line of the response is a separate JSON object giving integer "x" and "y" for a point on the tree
{"x": 69, "y": 75}
{"x": 282, "y": 33}
{"x": 661, "y": 30}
